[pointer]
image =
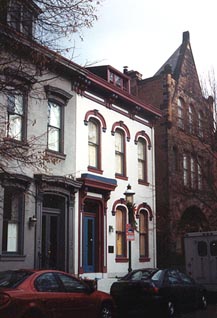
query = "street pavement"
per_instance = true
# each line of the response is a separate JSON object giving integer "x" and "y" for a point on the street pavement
{"x": 210, "y": 312}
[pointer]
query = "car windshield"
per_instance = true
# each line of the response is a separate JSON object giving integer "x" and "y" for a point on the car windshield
{"x": 12, "y": 279}
{"x": 140, "y": 274}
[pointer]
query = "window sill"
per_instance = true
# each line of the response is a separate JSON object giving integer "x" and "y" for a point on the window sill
{"x": 20, "y": 143}
{"x": 56, "y": 154}
{"x": 144, "y": 259}
{"x": 121, "y": 259}
{"x": 119, "y": 176}
{"x": 96, "y": 170}
{"x": 7, "y": 257}
{"x": 143, "y": 182}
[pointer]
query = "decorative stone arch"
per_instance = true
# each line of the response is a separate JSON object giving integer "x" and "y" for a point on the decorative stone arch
{"x": 57, "y": 94}
{"x": 118, "y": 202}
{"x": 145, "y": 206}
{"x": 120, "y": 124}
{"x": 193, "y": 220}
{"x": 143, "y": 134}
{"x": 95, "y": 113}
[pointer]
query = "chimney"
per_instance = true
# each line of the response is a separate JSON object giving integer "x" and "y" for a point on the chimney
{"x": 185, "y": 36}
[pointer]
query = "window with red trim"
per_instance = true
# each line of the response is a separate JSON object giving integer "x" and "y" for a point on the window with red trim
{"x": 143, "y": 234}
{"x": 142, "y": 159}
{"x": 94, "y": 143}
{"x": 120, "y": 233}
{"x": 120, "y": 153}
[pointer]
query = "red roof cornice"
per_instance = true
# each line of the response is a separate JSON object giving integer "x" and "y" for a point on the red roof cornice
{"x": 72, "y": 70}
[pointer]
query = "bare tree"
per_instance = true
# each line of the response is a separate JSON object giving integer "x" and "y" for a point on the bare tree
{"x": 32, "y": 36}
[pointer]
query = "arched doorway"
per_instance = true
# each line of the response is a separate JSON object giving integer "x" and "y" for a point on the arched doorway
{"x": 193, "y": 220}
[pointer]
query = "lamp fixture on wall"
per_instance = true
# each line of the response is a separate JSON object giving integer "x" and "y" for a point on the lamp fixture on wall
{"x": 111, "y": 229}
{"x": 32, "y": 220}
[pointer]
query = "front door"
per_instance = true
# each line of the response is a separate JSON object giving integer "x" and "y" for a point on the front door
{"x": 89, "y": 244}
{"x": 52, "y": 251}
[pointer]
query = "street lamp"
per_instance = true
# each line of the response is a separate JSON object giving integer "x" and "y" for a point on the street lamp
{"x": 129, "y": 202}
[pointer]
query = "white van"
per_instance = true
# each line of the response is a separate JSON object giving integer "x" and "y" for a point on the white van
{"x": 201, "y": 258}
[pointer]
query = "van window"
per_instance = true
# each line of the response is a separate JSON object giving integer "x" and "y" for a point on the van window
{"x": 213, "y": 248}
{"x": 202, "y": 248}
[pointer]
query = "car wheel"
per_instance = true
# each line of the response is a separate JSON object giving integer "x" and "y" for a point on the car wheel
{"x": 170, "y": 309}
{"x": 106, "y": 311}
{"x": 203, "y": 302}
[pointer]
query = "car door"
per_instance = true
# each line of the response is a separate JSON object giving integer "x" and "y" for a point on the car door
{"x": 64, "y": 296}
{"x": 172, "y": 289}
{"x": 79, "y": 299}
{"x": 190, "y": 291}
{"x": 50, "y": 295}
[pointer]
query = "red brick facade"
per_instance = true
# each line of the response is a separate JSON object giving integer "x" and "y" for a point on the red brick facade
{"x": 185, "y": 199}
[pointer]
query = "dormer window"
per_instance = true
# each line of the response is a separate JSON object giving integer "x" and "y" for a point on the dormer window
{"x": 21, "y": 16}
{"x": 118, "y": 80}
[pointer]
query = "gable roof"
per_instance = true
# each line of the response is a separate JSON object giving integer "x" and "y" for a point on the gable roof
{"x": 174, "y": 63}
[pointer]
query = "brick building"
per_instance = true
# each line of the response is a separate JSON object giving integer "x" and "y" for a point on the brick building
{"x": 185, "y": 195}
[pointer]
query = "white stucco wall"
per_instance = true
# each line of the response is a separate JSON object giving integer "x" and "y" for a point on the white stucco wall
{"x": 143, "y": 193}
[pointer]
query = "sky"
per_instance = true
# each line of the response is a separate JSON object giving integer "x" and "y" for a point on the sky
{"x": 143, "y": 34}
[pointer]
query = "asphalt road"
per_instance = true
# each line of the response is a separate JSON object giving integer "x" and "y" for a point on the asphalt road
{"x": 210, "y": 312}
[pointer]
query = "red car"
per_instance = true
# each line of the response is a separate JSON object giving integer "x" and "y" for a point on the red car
{"x": 50, "y": 294}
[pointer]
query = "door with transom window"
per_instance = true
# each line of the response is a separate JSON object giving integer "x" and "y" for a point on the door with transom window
{"x": 91, "y": 260}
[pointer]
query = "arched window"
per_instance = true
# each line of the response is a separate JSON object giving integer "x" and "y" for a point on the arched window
{"x": 120, "y": 233}
{"x": 199, "y": 174}
{"x": 193, "y": 172}
{"x": 180, "y": 113}
{"x": 200, "y": 125}
{"x": 185, "y": 170}
{"x": 191, "y": 119}
{"x": 57, "y": 99}
{"x": 120, "y": 156}
{"x": 143, "y": 234}
{"x": 94, "y": 143}
{"x": 142, "y": 159}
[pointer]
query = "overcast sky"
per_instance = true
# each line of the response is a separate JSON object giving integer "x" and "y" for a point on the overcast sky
{"x": 142, "y": 34}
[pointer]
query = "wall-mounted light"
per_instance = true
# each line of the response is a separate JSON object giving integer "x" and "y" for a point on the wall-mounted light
{"x": 111, "y": 229}
{"x": 32, "y": 220}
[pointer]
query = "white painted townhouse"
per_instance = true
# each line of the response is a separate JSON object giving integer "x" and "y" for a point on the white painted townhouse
{"x": 72, "y": 212}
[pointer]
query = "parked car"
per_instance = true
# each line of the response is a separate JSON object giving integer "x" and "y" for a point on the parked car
{"x": 164, "y": 291}
{"x": 50, "y": 293}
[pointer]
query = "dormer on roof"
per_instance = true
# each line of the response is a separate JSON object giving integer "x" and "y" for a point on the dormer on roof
{"x": 112, "y": 76}
{"x": 19, "y": 15}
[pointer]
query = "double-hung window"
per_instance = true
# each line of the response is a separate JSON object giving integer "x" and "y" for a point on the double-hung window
{"x": 120, "y": 233}
{"x": 16, "y": 116}
{"x": 142, "y": 160}
{"x": 120, "y": 152}
{"x": 12, "y": 221}
{"x": 143, "y": 234}
{"x": 185, "y": 170}
{"x": 180, "y": 113}
{"x": 191, "y": 119}
{"x": 94, "y": 144}
{"x": 54, "y": 126}
{"x": 20, "y": 17}
{"x": 57, "y": 100}
{"x": 200, "y": 124}
{"x": 193, "y": 172}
